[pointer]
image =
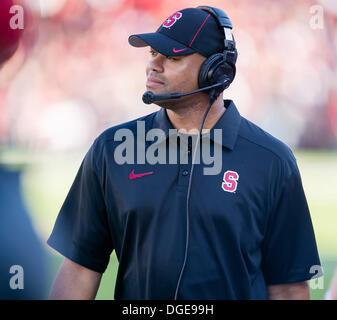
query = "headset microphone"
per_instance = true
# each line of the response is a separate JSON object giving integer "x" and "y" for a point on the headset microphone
{"x": 149, "y": 97}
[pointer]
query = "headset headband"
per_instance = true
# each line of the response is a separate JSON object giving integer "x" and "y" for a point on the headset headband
{"x": 225, "y": 23}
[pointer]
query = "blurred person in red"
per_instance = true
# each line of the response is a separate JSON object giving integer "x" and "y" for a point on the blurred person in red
{"x": 22, "y": 257}
{"x": 9, "y": 38}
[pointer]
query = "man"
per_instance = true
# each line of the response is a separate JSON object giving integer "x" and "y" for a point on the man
{"x": 241, "y": 233}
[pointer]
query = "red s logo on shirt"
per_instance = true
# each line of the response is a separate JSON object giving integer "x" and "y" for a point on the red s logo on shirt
{"x": 230, "y": 181}
{"x": 171, "y": 20}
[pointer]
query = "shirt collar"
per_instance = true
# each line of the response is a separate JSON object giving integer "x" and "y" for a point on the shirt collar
{"x": 229, "y": 123}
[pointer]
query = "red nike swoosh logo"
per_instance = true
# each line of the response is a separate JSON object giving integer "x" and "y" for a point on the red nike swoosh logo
{"x": 180, "y": 50}
{"x": 133, "y": 175}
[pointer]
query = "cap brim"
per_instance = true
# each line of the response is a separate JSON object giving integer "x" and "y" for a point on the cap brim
{"x": 161, "y": 43}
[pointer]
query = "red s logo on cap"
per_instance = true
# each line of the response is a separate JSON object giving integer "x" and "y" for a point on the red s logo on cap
{"x": 171, "y": 20}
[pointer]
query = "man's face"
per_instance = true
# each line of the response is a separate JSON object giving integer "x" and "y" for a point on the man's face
{"x": 173, "y": 74}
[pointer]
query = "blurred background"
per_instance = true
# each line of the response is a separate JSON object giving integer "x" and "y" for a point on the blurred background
{"x": 74, "y": 75}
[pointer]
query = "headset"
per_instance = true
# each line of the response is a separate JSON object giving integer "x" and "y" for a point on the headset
{"x": 215, "y": 75}
{"x": 217, "y": 72}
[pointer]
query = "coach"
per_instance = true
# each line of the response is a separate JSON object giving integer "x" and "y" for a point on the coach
{"x": 178, "y": 233}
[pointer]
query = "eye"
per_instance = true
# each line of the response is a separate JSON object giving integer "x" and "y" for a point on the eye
{"x": 172, "y": 58}
{"x": 153, "y": 53}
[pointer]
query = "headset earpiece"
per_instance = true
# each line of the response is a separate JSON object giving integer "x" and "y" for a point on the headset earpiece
{"x": 206, "y": 74}
{"x": 216, "y": 69}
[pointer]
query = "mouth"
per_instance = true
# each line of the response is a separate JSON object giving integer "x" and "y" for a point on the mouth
{"x": 154, "y": 83}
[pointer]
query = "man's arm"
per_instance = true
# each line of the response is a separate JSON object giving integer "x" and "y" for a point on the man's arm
{"x": 75, "y": 282}
{"x": 292, "y": 291}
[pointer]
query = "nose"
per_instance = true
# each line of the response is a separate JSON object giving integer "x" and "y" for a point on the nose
{"x": 156, "y": 63}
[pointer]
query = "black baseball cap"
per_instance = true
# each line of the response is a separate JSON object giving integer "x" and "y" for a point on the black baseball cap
{"x": 184, "y": 32}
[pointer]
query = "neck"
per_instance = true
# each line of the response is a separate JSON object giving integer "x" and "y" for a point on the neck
{"x": 189, "y": 117}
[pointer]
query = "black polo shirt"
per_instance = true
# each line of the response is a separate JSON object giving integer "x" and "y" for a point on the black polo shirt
{"x": 250, "y": 225}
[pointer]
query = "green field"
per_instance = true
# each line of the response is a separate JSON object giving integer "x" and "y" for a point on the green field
{"x": 47, "y": 179}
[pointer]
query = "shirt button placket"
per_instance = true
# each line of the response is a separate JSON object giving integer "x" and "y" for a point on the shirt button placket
{"x": 184, "y": 169}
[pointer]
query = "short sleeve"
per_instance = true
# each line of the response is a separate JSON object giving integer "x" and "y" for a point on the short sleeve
{"x": 289, "y": 247}
{"x": 81, "y": 231}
